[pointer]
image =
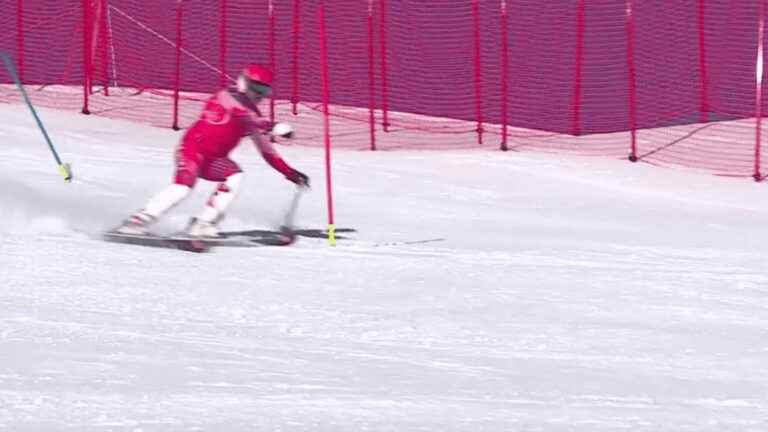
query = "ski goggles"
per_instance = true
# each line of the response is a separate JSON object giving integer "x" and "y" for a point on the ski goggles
{"x": 260, "y": 89}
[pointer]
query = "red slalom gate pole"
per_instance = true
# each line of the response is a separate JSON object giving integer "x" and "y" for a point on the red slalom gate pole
{"x": 478, "y": 71}
{"x": 223, "y": 42}
{"x": 86, "y": 55}
{"x": 371, "y": 78}
{"x": 703, "y": 66}
{"x": 504, "y": 74}
{"x": 271, "y": 12}
{"x": 631, "y": 73}
{"x": 383, "y": 53}
{"x": 295, "y": 66}
{"x": 104, "y": 44}
{"x": 177, "y": 77}
{"x": 326, "y": 121}
{"x": 759, "y": 71}
{"x": 577, "y": 80}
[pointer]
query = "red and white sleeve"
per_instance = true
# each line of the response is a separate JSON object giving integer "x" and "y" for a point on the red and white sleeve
{"x": 270, "y": 154}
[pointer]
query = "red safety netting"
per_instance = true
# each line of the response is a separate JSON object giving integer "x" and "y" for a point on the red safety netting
{"x": 662, "y": 83}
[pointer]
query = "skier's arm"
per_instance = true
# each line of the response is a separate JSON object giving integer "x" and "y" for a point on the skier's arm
{"x": 272, "y": 157}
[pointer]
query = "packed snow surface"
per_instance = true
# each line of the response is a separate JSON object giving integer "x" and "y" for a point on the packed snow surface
{"x": 482, "y": 291}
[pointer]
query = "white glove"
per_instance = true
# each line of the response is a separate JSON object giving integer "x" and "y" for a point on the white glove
{"x": 283, "y": 130}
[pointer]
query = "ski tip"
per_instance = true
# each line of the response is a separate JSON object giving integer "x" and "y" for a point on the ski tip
{"x": 184, "y": 244}
{"x": 198, "y": 246}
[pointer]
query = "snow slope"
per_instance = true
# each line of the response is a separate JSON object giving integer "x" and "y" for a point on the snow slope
{"x": 552, "y": 293}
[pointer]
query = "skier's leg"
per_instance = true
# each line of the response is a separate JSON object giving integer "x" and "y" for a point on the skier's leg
{"x": 230, "y": 177}
{"x": 160, "y": 203}
{"x": 187, "y": 168}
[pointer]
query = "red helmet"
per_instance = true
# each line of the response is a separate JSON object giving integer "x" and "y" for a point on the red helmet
{"x": 256, "y": 80}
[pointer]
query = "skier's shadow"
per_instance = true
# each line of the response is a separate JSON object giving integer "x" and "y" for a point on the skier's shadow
{"x": 305, "y": 232}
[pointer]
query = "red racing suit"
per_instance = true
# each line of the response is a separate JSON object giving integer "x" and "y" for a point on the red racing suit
{"x": 228, "y": 116}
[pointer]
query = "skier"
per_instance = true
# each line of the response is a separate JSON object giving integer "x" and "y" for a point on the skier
{"x": 229, "y": 115}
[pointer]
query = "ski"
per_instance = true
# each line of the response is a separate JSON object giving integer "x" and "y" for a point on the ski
{"x": 267, "y": 239}
{"x": 245, "y": 238}
{"x": 200, "y": 245}
{"x": 152, "y": 240}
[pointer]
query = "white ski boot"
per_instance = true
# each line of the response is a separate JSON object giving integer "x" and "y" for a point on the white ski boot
{"x": 202, "y": 229}
{"x": 137, "y": 224}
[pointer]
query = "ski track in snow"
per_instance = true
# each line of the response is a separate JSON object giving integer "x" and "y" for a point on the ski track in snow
{"x": 566, "y": 294}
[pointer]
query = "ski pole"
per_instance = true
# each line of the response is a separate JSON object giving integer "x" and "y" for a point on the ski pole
{"x": 64, "y": 169}
{"x": 289, "y": 215}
